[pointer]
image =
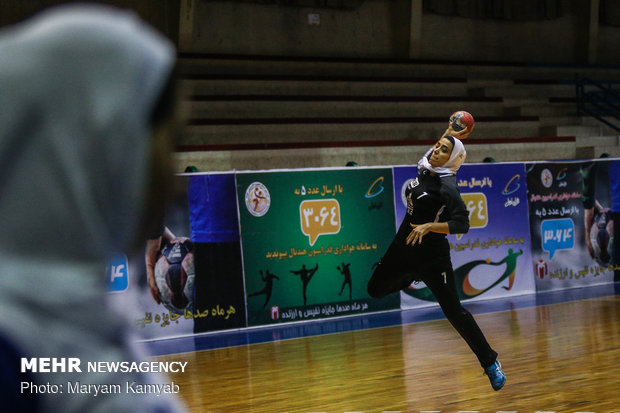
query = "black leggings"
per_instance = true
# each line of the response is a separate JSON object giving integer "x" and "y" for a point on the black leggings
{"x": 396, "y": 271}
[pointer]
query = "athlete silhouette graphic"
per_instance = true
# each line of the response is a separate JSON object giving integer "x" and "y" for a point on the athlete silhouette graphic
{"x": 305, "y": 275}
{"x": 347, "y": 279}
{"x": 268, "y": 280}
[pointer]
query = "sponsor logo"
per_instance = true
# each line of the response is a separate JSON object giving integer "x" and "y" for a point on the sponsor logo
{"x": 375, "y": 188}
{"x": 546, "y": 178}
{"x": 512, "y": 186}
{"x": 257, "y": 199}
{"x": 464, "y": 277}
{"x": 542, "y": 269}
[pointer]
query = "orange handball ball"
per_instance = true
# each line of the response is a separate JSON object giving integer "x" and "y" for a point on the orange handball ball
{"x": 461, "y": 120}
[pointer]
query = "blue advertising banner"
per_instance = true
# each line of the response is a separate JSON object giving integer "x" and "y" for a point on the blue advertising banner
{"x": 241, "y": 249}
{"x": 155, "y": 289}
{"x": 189, "y": 279}
{"x": 571, "y": 223}
{"x": 493, "y": 259}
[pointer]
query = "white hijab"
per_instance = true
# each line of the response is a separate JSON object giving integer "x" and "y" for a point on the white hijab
{"x": 457, "y": 157}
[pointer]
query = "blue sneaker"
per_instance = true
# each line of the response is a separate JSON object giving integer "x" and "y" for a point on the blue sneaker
{"x": 497, "y": 377}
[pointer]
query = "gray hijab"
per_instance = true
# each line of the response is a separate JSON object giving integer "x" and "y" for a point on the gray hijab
{"x": 77, "y": 88}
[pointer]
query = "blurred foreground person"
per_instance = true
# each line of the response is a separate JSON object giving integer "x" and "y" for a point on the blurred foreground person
{"x": 86, "y": 118}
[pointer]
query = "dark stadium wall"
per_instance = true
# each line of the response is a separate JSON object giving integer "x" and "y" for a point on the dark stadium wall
{"x": 374, "y": 29}
{"x": 163, "y": 14}
{"x": 383, "y": 29}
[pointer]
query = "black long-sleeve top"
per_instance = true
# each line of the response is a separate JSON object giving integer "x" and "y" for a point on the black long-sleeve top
{"x": 431, "y": 198}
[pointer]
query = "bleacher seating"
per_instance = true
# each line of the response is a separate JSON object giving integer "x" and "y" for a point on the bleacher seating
{"x": 324, "y": 112}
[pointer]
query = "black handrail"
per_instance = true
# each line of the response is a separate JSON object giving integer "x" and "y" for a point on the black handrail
{"x": 599, "y": 100}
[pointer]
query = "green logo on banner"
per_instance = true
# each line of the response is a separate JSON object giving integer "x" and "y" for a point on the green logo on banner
{"x": 464, "y": 287}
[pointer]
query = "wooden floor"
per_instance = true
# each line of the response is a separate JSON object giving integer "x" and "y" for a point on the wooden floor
{"x": 558, "y": 358}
